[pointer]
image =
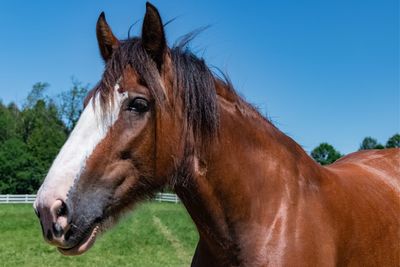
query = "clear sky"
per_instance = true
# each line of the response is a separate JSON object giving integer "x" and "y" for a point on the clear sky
{"x": 323, "y": 71}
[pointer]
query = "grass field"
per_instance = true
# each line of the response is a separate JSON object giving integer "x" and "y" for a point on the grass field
{"x": 155, "y": 234}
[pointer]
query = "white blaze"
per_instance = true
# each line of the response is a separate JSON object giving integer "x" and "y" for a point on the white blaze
{"x": 89, "y": 131}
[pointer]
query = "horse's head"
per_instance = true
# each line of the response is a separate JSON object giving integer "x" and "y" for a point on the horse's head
{"x": 131, "y": 137}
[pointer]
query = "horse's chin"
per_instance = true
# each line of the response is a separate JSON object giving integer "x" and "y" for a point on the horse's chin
{"x": 88, "y": 241}
{"x": 82, "y": 246}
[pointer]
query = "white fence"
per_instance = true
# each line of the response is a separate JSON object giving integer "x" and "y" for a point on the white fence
{"x": 14, "y": 199}
{"x": 17, "y": 198}
{"x": 166, "y": 197}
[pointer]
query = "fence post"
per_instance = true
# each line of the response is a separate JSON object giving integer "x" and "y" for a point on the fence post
{"x": 7, "y": 198}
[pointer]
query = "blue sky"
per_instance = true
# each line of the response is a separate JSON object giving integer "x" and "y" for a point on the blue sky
{"x": 323, "y": 71}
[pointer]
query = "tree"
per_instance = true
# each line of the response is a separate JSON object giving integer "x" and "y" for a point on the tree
{"x": 36, "y": 94}
{"x": 31, "y": 137}
{"x": 393, "y": 141}
{"x": 42, "y": 133}
{"x": 16, "y": 168}
{"x": 325, "y": 154}
{"x": 370, "y": 143}
{"x": 71, "y": 103}
{"x": 44, "y": 136}
{"x": 8, "y": 121}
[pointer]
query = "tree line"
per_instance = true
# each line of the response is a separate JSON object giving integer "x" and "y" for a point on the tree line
{"x": 32, "y": 135}
{"x": 326, "y": 153}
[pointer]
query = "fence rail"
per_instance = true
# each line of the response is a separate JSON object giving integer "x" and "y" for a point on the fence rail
{"x": 15, "y": 199}
{"x": 166, "y": 197}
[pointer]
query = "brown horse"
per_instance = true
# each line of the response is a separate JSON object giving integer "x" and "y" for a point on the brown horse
{"x": 160, "y": 117}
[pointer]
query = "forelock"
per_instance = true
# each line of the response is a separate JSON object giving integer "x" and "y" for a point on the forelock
{"x": 129, "y": 53}
{"x": 192, "y": 80}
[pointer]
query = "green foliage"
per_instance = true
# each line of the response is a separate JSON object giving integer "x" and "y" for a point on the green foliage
{"x": 393, "y": 141}
{"x": 8, "y": 121}
{"x": 325, "y": 154}
{"x": 36, "y": 94}
{"x": 16, "y": 167}
{"x": 370, "y": 143}
{"x": 30, "y": 139}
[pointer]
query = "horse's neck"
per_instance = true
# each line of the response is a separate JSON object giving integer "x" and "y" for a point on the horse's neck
{"x": 245, "y": 177}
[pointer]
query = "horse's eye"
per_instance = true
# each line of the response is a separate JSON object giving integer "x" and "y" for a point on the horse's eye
{"x": 138, "y": 104}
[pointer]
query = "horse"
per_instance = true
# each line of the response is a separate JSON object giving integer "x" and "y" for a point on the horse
{"x": 160, "y": 117}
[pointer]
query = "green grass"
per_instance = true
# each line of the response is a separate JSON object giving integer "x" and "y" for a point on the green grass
{"x": 136, "y": 241}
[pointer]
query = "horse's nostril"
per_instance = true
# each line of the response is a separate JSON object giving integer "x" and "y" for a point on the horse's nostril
{"x": 68, "y": 234}
{"x": 57, "y": 230}
{"x": 62, "y": 210}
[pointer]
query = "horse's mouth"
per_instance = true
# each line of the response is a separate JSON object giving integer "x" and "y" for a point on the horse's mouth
{"x": 84, "y": 245}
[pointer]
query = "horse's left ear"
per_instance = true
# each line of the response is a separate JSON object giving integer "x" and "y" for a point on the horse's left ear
{"x": 105, "y": 38}
{"x": 153, "y": 37}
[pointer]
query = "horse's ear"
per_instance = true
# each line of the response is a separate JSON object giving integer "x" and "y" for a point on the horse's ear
{"x": 105, "y": 38}
{"x": 153, "y": 37}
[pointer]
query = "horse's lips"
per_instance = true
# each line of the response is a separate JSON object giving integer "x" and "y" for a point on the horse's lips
{"x": 83, "y": 246}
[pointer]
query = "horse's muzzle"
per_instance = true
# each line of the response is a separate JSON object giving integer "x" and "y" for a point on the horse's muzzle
{"x": 54, "y": 220}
